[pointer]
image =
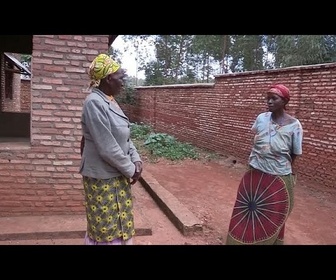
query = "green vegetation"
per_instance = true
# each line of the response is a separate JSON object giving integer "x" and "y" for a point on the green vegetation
{"x": 161, "y": 145}
{"x": 127, "y": 96}
{"x": 181, "y": 59}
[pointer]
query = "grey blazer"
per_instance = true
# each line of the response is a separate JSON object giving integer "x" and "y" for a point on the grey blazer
{"x": 108, "y": 151}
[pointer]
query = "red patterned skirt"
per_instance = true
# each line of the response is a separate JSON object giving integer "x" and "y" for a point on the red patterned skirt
{"x": 261, "y": 209}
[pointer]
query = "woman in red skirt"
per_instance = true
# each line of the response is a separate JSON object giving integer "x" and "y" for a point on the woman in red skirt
{"x": 265, "y": 194}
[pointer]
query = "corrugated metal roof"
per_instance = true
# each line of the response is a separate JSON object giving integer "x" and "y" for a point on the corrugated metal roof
{"x": 24, "y": 70}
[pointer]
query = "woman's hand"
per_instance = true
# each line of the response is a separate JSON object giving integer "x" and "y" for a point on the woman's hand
{"x": 137, "y": 173}
{"x": 138, "y": 166}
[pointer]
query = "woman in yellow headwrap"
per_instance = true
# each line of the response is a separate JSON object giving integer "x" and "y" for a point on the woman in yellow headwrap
{"x": 110, "y": 162}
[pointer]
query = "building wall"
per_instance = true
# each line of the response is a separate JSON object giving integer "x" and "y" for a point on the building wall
{"x": 218, "y": 116}
{"x": 42, "y": 178}
{"x": 14, "y": 104}
{"x": 2, "y": 82}
{"x": 25, "y": 95}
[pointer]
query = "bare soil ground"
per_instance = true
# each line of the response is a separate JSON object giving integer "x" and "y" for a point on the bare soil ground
{"x": 208, "y": 189}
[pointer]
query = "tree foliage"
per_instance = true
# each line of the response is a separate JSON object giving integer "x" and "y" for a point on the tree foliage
{"x": 197, "y": 58}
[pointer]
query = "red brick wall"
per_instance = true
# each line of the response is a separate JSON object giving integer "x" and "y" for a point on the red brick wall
{"x": 25, "y": 95}
{"x": 12, "y": 105}
{"x": 43, "y": 179}
{"x": 2, "y": 81}
{"x": 219, "y": 116}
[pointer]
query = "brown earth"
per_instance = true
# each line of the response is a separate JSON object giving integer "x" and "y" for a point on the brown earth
{"x": 208, "y": 189}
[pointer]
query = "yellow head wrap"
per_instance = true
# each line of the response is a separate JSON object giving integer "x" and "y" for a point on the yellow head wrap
{"x": 101, "y": 66}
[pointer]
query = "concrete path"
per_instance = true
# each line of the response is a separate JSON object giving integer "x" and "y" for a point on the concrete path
{"x": 73, "y": 226}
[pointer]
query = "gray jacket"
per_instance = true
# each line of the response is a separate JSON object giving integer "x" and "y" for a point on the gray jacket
{"x": 108, "y": 151}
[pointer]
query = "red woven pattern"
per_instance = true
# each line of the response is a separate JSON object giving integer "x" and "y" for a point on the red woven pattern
{"x": 261, "y": 207}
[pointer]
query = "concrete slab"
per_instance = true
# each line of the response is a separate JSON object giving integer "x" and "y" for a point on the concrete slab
{"x": 55, "y": 227}
{"x": 73, "y": 226}
{"x": 179, "y": 215}
{"x": 59, "y": 226}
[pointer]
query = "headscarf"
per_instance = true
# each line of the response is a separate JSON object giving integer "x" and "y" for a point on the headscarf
{"x": 102, "y": 66}
{"x": 280, "y": 90}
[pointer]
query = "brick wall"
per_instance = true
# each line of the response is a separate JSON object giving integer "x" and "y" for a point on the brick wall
{"x": 2, "y": 81}
{"x": 219, "y": 116}
{"x": 14, "y": 104}
{"x": 43, "y": 179}
{"x": 25, "y": 95}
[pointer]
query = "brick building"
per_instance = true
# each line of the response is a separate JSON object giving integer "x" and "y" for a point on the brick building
{"x": 39, "y": 149}
{"x": 39, "y": 145}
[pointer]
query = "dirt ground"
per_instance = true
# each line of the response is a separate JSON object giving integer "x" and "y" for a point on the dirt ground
{"x": 208, "y": 189}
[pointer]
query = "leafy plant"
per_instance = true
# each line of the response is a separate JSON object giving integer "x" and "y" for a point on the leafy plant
{"x": 161, "y": 145}
{"x": 127, "y": 96}
{"x": 140, "y": 131}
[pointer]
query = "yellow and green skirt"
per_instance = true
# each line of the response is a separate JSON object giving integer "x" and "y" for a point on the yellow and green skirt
{"x": 109, "y": 209}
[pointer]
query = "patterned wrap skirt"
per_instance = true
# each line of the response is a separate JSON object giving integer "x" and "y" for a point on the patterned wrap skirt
{"x": 109, "y": 210}
{"x": 262, "y": 206}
